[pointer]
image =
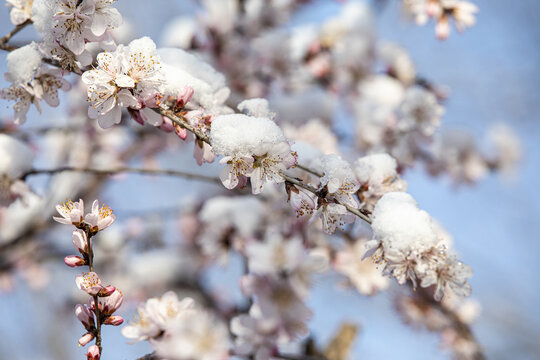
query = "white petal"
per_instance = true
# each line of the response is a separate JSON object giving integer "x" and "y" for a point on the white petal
{"x": 124, "y": 81}
{"x": 111, "y": 118}
{"x": 151, "y": 117}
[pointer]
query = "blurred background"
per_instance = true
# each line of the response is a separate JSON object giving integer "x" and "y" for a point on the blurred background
{"x": 492, "y": 73}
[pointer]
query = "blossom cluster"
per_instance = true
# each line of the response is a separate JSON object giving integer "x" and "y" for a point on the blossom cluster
{"x": 31, "y": 82}
{"x": 104, "y": 300}
{"x": 68, "y": 25}
{"x": 179, "y": 329}
{"x": 252, "y": 147}
{"x": 308, "y": 73}
{"x": 128, "y": 77}
{"x": 406, "y": 242}
{"x": 442, "y": 11}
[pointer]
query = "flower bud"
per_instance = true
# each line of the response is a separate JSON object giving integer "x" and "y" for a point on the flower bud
{"x": 85, "y": 315}
{"x": 109, "y": 304}
{"x": 86, "y": 338}
{"x": 106, "y": 291}
{"x": 74, "y": 261}
{"x": 93, "y": 353}
{"x": 114, "y": 320}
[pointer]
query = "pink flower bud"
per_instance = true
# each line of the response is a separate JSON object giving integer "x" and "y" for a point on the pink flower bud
{"x": 80, "y": 241}
{"x": 184, "y": 96}
{"x": 111, "y": 303}
{"x": 85, "y": 315}
{"x": 106, "y": 291}
{"x": 114, "y": 320}
{"x": 180, "y": 131}
{"x": 74, "y": 261}
{"x": 166, "y": 125}
{"x": 86, "y": 338}
{"x": 93, "y": 353}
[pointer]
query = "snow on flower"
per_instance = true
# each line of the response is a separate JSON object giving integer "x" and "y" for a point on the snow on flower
{"x": 408, "y": 244}
{"x": 339, "y": 179}
{"x": 377, "y": 175}
{"x": 23, "y": 63}
{"x": 184, "y": 70}
{"x": 31, "y": 84}
{"x": 252, "y": 147}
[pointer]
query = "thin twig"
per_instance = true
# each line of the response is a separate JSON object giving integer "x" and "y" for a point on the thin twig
{"x": 182, "y": 122}
{"x": 5, "y": 39}
{"x": 123, "y": 170}
{"x": 311, "y": 171}
{"x": 89, "y": 235}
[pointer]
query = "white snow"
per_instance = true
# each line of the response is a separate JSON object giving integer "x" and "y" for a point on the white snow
{"x": 23, "y": 63}
{"x": 375, "y": 169}
{"x": 242, "y": 134}
{"x": 400, "y": 226}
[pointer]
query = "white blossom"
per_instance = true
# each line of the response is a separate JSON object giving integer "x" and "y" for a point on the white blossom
{"x": 339, "y": 179}
{"x": 21, "y": 10}
{"x": 363, "y": 273}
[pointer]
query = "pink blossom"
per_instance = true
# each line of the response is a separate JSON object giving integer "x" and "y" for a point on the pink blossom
{"x": 183, "y": 97}
{"x": 80, "y": 241}
{"x": 89, "y": 283}
{"x": 110, "y": 304}
{"x": 99, "y": 218}
{"x": 302, "y": 201}
{"x": 85, "y": 315}
{"x": 202, "y": 152}
{"x": 71, "y": 212}
{"x": 236, "y": 170}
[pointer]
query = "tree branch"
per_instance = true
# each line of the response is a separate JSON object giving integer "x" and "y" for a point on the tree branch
{"x": 5, "y": 39}
{"x": 123, "y": 170}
